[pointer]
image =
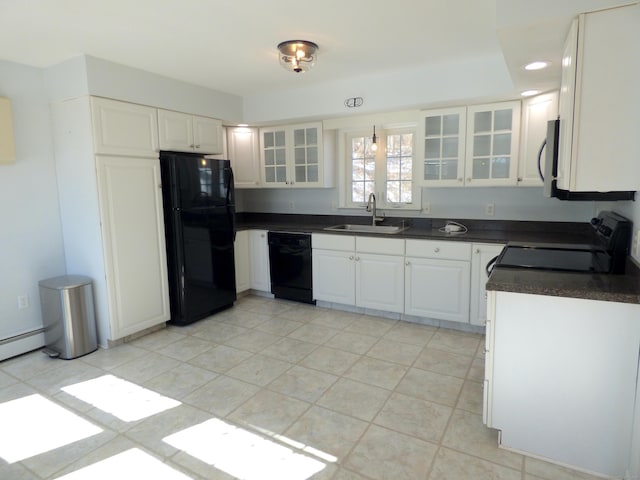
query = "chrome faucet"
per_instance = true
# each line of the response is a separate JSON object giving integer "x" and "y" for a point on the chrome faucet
{"x": 371, "y": 207}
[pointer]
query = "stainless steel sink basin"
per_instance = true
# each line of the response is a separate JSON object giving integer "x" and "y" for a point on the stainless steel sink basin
{"x": 348, "y": 227}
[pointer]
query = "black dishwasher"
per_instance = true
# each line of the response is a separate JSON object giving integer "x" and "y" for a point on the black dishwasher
{"x": 290, "y": 264}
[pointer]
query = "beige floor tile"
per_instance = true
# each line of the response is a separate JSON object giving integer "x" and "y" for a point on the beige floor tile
{"x": 431, "y": 386}
{"x": 289, "y": 349}
{"x": 145, "y": 368}
{"x": 269, "y": 412}
{"x": 385, "y": 454}
{"x": 279, "y": 326}
{"x": 455, "y": 342}
{"x": 327, "y": 431}
{"x": 334, "y": 319}
{"x": 218, "y": 332}
{"x": 52, "y": 380}
{"x": 29, "y": 365}
{"x": 220, "y": 359}
{"x": 314, "y": 333}
{"x": 344, "y": 474}
{"x": 397, "y": 352}
{"x": 265, "y": 305}
{"x": 373, "y": 326}
{"x": 354, "y": 398}
{"x": 330, "y": 360}
{"x": 252, "y": 341}
{"x": 301, "y": 313}
{"x": 6, "y": 380}
{"x": 244, "y": 318}
{"x": 376, "y": 372}
{"x": 476, "y": 372}
{"x": 259, "y": 369}
{"x": 186, "y": 348}
{"x": 16, "y": 471}
{"x": 303, "y": 383}
{"x": 415, "y": 417}
{"x": 452, "y": 465}
{"x": 110, "y": 358}
{"x": 410, "y": 333}
{"x": 157, "y": 340}
{"x": 352, "y": 342}
{"x": 471, "y": 397}
{"x": 466, "y": 433}
{"x": 222, "y": 395}
{"x": 443, "y": 362}
{"x": 180, "y": 381}
{"x": 550, "y": 471}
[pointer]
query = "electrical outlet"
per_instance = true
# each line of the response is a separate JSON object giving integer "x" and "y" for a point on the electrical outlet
{"x": 23, "y": 302}
{"x": 489, "y": 210}
{"x": 426, "y": 208}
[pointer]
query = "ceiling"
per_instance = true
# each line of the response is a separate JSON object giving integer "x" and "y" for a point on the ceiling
{"x": 229, "y": 45}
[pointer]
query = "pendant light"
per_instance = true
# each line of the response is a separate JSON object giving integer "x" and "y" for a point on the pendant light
{"x": 374, "y": 145}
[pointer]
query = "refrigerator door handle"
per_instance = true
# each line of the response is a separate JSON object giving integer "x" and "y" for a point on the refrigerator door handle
{"x": 231, "y": 201}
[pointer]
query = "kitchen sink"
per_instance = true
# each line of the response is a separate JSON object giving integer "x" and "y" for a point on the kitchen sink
{"x": 348, "y": 227}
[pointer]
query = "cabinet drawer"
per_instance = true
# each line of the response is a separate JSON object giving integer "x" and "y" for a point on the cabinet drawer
{"x": 385, "y": 246}
{"x": 333, "y": 242}
{"x": 439, "y": 249}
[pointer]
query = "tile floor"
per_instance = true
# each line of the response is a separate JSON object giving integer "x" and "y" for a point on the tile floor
{"x": 342, "y": 396}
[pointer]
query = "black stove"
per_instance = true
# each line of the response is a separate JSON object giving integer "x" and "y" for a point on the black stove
{"x": 607, "y": 254}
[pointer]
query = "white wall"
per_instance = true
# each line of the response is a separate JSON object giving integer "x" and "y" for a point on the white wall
{"x": 473, "y": 81}
{"x": 30, "y": 237}
{"x": 515, "y": 203}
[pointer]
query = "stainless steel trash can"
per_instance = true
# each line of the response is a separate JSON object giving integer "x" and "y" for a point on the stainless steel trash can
{"x": 68, "y": 315}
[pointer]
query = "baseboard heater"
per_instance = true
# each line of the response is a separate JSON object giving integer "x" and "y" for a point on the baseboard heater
{"x": 23, "y": 343}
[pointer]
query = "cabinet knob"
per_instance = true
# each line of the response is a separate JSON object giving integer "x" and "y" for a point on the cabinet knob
{"x": 350, "y": 257}
{"x": 519, "y": 179}
{"x": 460, "y": 179}
{"x": 197, "y": 146}
{"x": 407, "y": 263}
{"x": 357, "y": 259}
{"x": 191, "y": 146}
{"x": 468, "y": 179}
{"x": 437, "y": 249}
{"x": 262, "y": 235}
{"x": 160, "y": 185}
{"x": 477, "y": 250}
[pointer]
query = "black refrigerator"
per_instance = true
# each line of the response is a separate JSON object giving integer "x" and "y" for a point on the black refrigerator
{"x": 199, "y": 219}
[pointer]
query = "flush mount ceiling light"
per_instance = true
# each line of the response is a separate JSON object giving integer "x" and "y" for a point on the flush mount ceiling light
{"x": 297, "y": 56}
{"x": 539, "y": 65}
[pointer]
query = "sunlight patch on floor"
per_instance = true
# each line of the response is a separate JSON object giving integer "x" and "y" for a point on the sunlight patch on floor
{"x": 243, "y": 454}
{"x": 33, "y": 425}
{"x": 125, "y": 400}
{"x": 133, "y": 463}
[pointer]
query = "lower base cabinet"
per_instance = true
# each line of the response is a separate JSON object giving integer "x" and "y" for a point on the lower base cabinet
{"x": 242, "y": 261}
{"x": 380, "y": 282}
{"x": 334, "y": 276}
{"x": 259, "y": 254}
{"x": 437, "y": 289}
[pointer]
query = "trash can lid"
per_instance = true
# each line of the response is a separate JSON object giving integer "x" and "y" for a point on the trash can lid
{"x": 65, "y": 281}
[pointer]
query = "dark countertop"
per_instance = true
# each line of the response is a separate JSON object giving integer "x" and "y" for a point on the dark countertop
{"x": 613, "y": 288}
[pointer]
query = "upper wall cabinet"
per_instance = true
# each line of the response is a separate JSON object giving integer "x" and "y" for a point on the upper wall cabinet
{"x": 472, "y": 146}
{"x": 599, "y": 103}
{"x": 181, "y": 132}
{"x": 121, "y": 128}
{"x": 536, "y": 112}
{"x": 243, "y": 147}
{"x": 293, "y": 156}
{"x": 492, "y": 144}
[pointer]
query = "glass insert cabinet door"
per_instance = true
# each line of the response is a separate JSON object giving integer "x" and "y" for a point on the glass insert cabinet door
{"x": 305, "y": 155}
{"x": 274, "y": 150}
{"x": 442, "y": 137}
{"x": 492, "y": 144}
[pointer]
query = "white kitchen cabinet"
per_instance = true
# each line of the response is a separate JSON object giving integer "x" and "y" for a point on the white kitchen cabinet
{"x": 536, "y": 112}
{"x": 437, "y": 279}
{"x": 380, "y": 282}
{"x": 492, "y": 144}
{"x": 259, "y": 254}
{"x": 475, "y": 145}
{"x": 561, "y": 379}
{"x": 243, "y": 147}
{"x": 292, "y": 156}
{"x": 182, "y": 132}
{"x": 334, "y": 276}
{"x": 442, "y": 133}
{"x": 482, "y": 253}
{"x": 111, "y": 211}
{"x": 242, "y": 261}
{"x": 599, "y": 98}
{"x": 121, "y": 128}
{"x": 130, "y": 198}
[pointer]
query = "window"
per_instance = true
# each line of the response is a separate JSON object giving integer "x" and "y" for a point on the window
{"x": 387, "y": 172}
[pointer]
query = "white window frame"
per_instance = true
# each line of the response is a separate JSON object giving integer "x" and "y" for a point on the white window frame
{"x": 345, "y": 179}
